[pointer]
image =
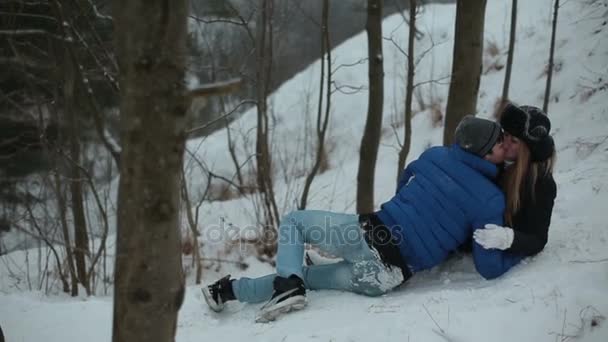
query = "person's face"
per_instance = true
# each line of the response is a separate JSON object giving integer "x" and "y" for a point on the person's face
{"x": 511, "y": 146}
{"x": 497, "y": 155}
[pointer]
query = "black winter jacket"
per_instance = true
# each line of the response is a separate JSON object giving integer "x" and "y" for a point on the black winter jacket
{"x": 531, "y": 223}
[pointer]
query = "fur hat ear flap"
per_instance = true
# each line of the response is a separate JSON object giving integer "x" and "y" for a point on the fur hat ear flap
{"x": 543, "y": 149}
{"x": 513, "y": 120}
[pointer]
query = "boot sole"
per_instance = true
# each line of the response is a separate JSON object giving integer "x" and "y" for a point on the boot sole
{"x": 294, "y": 303}
{"x": 216, "y": 307}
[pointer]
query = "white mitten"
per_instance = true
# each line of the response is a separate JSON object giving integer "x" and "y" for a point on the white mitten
{"x": 494, "y": 237}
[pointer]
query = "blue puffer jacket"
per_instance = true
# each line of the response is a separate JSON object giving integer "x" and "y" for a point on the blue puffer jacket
{"x": 441, "y": 199}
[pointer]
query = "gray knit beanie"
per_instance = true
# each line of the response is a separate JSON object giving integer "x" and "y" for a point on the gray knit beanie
{"x": 477, "y": 136}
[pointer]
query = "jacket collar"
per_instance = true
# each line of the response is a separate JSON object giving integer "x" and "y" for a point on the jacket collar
{"x": 483, "y": 166}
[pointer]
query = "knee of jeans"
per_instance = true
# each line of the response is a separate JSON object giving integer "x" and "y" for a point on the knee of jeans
{"x": 294, "y": 215}
{"x": 368, "y": 279}
{"x": 288, "y": 222}
{"x": 292, "y": 219}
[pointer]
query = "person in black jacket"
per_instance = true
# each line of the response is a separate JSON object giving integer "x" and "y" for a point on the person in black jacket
{"x": 527, "y": 182}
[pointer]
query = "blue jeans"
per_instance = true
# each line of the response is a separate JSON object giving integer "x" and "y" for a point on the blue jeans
{"x": 340, "y": 235}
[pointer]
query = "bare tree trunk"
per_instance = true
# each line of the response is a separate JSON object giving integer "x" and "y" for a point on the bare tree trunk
{"x": 149, "y": 281}
{"x": 193, "y": 224}
{"x": 50, "y": 244}
{"x": 94, "y": 259}
{"x": 232, "y": 148}
{"x": 62, "y": 207}
{"x": 81, "y": 239}
{"x": 368, "y": 152}
{"x": 263, "y": 157}
{"x": 505, "y": 88}
{"x": 77, "y": 16}
{"x": 322, "y": 121}
{"x": 551, "y": 56}
{"x": 466, "y": 64}
{"x": 407, "y": 138}
{"x": 75, "y": 259}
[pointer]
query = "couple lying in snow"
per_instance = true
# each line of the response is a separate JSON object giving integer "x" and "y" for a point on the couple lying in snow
{"x": 493, "y": 188}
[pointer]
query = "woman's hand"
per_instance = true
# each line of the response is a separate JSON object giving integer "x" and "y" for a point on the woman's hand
{"x": 494, "y": 237}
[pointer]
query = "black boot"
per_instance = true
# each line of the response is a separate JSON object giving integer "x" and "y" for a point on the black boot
{"x": 289, "y": 295}
{"x": 219, "y": 293}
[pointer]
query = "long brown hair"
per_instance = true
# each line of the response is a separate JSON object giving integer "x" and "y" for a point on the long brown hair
{"x": 519, "y": 181}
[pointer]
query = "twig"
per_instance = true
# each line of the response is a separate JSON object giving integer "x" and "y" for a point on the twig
{"x": 239, "y": 263}
{"x": 219, "y": 20}
{"x": 224, "y": 116}
{"x": 443, "y": 335}
{"x": 359, "y": 62}
{"x": 23, "y": 32}
{"x": 425, "y": 52}
{"x": 306, "y": 14}
{"x": 390, "y": 39}
{"x": 242, "y": 21}
{"x": 30, "y": 15}
{"x": 564, "y": 324}
{"x": 437, "y": 81}
{"x": 588, "y": 261}
{"x": 434, "y": 321}
{"x": 98, "y": 14}
{"x": 350, "y": 89}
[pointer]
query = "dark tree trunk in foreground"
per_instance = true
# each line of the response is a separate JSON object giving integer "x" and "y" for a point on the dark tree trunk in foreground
{"x": 466, "y": 64}
{"x": 149, "y": 283}
{"x": 373, "y": 125}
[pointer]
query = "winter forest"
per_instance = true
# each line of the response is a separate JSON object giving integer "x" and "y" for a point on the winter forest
{"x": 283, "y": 170}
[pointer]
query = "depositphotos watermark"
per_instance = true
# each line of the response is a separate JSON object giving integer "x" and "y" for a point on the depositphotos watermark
{"x": 322, "y": 230}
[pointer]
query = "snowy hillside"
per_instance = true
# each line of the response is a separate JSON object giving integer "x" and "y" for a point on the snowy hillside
{"x": 559, "y": 295}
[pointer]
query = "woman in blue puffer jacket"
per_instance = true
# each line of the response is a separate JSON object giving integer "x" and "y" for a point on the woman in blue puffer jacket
{"x": 441, "y": 199}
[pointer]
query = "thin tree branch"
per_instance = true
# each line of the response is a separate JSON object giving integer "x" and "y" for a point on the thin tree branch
{"x": 436, "y": 81}
{"x": 25, "y": 32}
{"x": 224, "y": 116}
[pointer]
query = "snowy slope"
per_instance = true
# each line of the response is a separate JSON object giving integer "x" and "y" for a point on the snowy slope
{"x": 555, "y": 296}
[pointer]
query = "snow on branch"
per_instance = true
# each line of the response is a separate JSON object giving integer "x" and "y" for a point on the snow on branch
{"x": 24, "y": 32}
{"x": 98, "y": 14}
{"x": 217, "y": 88}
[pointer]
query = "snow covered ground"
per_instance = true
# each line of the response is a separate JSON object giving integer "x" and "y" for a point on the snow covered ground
{"x": 559, "y": 295}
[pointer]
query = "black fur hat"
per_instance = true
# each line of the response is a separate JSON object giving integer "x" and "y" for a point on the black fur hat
{"x": 532, "y": 126}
